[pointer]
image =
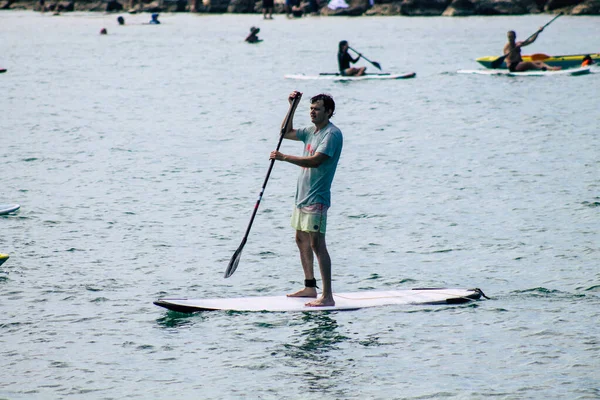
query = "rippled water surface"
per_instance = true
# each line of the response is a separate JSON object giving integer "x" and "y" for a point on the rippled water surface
{"x": 137, "y": 158}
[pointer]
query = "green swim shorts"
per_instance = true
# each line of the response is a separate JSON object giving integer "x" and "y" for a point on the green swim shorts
{"x": 312, "y": 218}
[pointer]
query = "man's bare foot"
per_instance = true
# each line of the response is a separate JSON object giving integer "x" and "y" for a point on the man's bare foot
{"x": 322, "y": 302}
{"x": 306, "y": 292}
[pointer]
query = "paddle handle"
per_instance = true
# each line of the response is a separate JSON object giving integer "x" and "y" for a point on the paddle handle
{"x": 542, "y": 28}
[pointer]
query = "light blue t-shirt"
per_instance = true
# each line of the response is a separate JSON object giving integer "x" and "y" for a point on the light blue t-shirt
{"x": 314, "y": 184}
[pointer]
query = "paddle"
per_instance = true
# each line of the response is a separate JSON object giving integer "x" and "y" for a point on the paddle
{"x": 375, "y": 64}
{"x": 235, "y": 260}
{"x": 498, "y": 61}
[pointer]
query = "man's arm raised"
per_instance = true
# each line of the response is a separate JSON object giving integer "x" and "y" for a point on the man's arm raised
{"x": 290, "y": 132}
{"x": 532, "y": 38}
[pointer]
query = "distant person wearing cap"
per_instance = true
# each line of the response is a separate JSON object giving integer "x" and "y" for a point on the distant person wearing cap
{"x": 253, "y": 36}
{"x": 154, "y": 20}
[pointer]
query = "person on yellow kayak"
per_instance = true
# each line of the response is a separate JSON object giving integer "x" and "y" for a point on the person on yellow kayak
{"x": 513, "y": 60}
{"x": 587, "y": 61}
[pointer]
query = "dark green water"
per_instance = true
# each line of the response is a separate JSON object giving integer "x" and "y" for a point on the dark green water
{"x": 137, "y": 158}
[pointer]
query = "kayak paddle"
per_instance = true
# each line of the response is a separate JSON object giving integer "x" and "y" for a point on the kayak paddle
{"x": 498, "y": 61}
{"x": 375, "y": 63}
{"x": 235, "y": 260}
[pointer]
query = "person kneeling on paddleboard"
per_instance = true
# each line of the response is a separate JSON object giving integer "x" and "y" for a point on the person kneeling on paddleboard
{"x": 344, "y": 60}
{"x": 322, "y": 149}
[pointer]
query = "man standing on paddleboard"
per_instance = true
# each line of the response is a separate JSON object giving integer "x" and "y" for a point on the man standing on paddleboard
{"x": 322, "y": 149}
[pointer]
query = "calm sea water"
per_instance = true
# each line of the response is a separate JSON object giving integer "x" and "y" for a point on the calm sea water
{"x": 137, "y": 158}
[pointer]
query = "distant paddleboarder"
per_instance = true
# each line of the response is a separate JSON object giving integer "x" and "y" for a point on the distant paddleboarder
{"x": 344, "y": 60}
{"x": 253, "y": 35}
{"x": 322, "y": 149}
{"x": 513, "y": 60}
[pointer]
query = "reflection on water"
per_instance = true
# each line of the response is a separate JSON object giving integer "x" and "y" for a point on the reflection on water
{"x": 318, "y": 338}
{"x": 174, "y": 319}
{"x": 309, "y": 351}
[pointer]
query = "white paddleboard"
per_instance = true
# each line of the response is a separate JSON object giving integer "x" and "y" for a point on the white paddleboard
{"x": 570, "y": 71}
{"x": 8, "y": 208}
{"x": 338, "y": 77}
{"x": 343, "y": 301}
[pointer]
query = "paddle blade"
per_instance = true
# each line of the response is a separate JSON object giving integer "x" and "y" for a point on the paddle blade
{"x": 498, "y": 62}
{"x": 235, "y": 260}
{"x": 376, "y": 65}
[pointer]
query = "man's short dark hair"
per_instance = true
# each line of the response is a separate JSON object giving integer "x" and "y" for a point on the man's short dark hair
{"x": 328, "y": 102}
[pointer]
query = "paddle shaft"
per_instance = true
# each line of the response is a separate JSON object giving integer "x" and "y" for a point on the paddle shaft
{"x": 375, "y": 64}
{"x": 496, "y": 63}
{"x": 264, "y": 185}
{"x": 233, "y": 263}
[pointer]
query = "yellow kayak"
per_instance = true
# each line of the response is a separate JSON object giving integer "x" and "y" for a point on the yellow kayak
{"x": 3, "y": 257}
{"x": 569, "y": 61}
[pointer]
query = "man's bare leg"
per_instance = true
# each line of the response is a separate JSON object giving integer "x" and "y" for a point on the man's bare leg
{"x": 549, "y": 68}
{"x": 307, "y": 260}
{"x": 318, "y": 245}
{"x": 530, "y": 65}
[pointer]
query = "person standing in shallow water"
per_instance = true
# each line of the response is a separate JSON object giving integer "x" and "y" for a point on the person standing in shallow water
{"x": 267, "y": 9}
{"x": 322, "y": 149}
{"x": 344, "y": 60}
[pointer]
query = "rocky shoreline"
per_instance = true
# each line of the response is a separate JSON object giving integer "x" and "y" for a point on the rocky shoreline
{"x": 450, "y": 8}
